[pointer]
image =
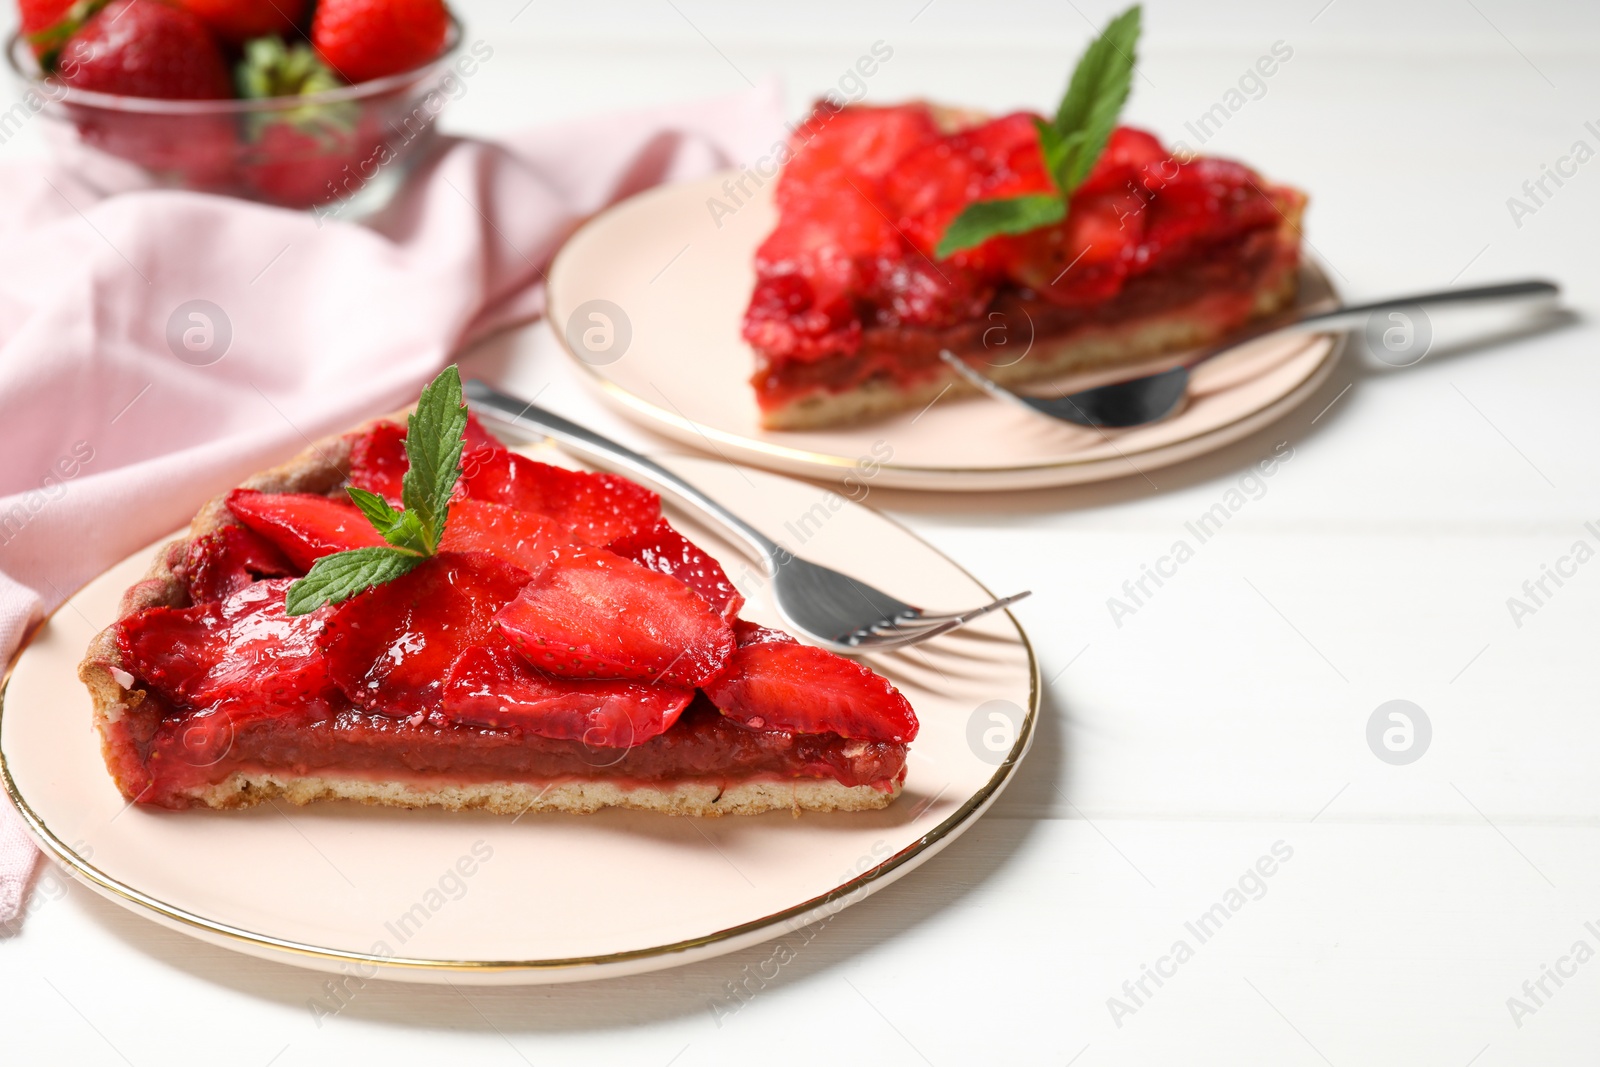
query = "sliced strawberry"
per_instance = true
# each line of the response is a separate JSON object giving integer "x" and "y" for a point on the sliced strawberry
{"x": 243, "y": 652}
{"x": 1208, "y": 200}
{"x": 593, "y": 614}
{"x": 1131, "y": 158}
{"x": 378, "y": 460}
{"x": 491, "y": 685}
{"x": 305, "y": 526}
{"x": 795, "y": 688}
{"x": 661, "y": 548}
{"x": 225, "y": 561}
{"x": 523, "y": 538}
{"x": 1087, "y": 258}
{"x": 748, "y": 633}
{"x": 787, "y": 319}
{"x": 598, "y": 507}
{"x": 864, "y": 141}
{"x": 914, "y": 292}
{"x": 390, "y": 648}
{"x": 932, "y": 185}
{"x": 477, "y": 437}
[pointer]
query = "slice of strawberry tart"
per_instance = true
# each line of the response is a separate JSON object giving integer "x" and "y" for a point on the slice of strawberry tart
{"x": 1032, "y": 246}
{"x": 414, "y": 615}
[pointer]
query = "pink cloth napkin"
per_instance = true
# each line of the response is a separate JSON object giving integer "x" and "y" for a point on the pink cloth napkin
{"x": 111, "y": 440}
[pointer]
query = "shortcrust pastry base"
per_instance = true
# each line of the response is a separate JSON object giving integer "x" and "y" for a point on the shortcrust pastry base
{"x": 241, "y": 790}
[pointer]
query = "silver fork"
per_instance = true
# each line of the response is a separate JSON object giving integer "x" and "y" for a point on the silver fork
{"x": 832, "y": 609}
{"x": 1152, "y": 397}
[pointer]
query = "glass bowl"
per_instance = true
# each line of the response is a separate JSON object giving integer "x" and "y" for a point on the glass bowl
{"x": 342, "y": 152}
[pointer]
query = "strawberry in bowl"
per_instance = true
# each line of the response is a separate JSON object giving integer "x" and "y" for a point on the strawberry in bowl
{"x": 300, "y": 103}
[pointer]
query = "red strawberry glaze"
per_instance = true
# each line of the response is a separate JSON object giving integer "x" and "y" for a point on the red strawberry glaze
{"x": 772, "y": 682}
{"x": 390, "y": 648}
{"x": 238, "y": 655}
{"x": 304, "y": 526}
{"x": 492, "y": 685}
{"x": 662, "y": 548}
{"x": 226, "y": 560}
{"x": 521, "y": 538}
{"x": 378, "y": 460}
{"x": 592, "y": 614}
{"x": 599, "y": 508}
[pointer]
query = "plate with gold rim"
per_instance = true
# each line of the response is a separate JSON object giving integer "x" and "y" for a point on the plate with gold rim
{"x": 433, "y": 896}
{"x": 671, "y": 278}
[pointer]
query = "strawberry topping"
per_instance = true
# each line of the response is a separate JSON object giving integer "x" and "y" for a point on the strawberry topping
{"x": 390, "y": 647}
{"x": 378, "y": 460}
{"x": 243, "y": 652}
{"x": 304, "y": 526}
{"x": 599, "y": 508}
{"x": 661, "y": 548}
{"x": 518, "y": 537}
{"x": 777, "y": 684}
{"x": 748, "y": 633}
{"x": 493, "y": 686}
{"x": 869, "y": 192}
{"x": 226, "y": 560}
{"x": 592, "y": 614}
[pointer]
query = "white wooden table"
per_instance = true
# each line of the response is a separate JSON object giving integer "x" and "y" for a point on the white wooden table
{"x": 1226, "y": 719}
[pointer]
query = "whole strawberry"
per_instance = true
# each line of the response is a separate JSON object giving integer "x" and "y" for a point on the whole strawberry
{"x": 145, "y": 48}
{"x": 297, "y": 156}
{"x": 237, "y": 21}
{"x": 366, "y": 39}
{"x": 44, "y": 23}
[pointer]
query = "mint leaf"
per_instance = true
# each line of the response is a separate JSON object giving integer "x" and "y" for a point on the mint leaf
{"x": 1054, "y": 148}
{"x": 1094, "y": 98}
{"x": 433, "y": 447}
{"x": 400, "y": 528}
{"x": 983, "y": 219}
{"x": 1070, "y": 145}
{"x": 342, "y": 575}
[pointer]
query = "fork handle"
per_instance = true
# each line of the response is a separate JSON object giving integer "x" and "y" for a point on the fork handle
{"x": 611, "y": 454}
{"x": 1355, "y": 316}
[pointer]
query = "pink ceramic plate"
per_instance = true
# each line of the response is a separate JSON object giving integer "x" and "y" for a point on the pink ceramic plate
{"x": 434, "y": 896}
{"x": 670, "y": 280}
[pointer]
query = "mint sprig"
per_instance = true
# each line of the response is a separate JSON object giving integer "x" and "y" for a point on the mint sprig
{"x": 342, "y": 575}
{"x": 1071, "y": 143}
{"x": 433, "y": 447}
{"x": 433, "y": 450}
